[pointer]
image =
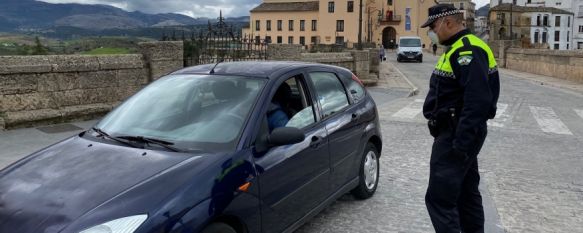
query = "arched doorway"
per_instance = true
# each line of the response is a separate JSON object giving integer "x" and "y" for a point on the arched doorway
{"x": 389, "y": 38}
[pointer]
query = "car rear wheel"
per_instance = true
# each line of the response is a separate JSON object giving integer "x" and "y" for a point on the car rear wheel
{"x": 368, "y": 174}
{"x": 219, "y": 227}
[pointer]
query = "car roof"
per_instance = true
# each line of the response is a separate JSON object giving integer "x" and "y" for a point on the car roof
{"x": 264, "y": 69}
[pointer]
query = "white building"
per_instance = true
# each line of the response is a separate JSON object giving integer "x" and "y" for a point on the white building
{"x": 561, "y": 4}
{"x": 553, "y": 27}
{"x": 578, "y": 25}
{"x": 481, "y": 24}
{"x": 574, "y": 35}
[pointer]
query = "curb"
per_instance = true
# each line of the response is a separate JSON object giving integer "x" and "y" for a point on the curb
{"x": 414, "y": 89}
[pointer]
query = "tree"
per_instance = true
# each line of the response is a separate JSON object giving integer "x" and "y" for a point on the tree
{"x": 38, "y": 48}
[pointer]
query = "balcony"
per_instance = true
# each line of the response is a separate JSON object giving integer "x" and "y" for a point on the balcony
{"x": 391, "y": 20}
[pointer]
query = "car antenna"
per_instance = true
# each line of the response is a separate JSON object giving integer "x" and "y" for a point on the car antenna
{"x": 213, "y": 69}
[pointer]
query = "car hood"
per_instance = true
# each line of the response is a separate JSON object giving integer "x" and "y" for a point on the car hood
{"x": 55, "y": 186}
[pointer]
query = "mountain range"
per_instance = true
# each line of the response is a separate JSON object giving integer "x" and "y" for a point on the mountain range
{"x": 30, "y": 15}
{"x": 483, "y": 11}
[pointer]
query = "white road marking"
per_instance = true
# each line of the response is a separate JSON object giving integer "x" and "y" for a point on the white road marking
{"x": 501, "y": 116}
{"x": 579, "y": 112}
{"x": 548, "y": 120}
{"x": 411, "y": 110}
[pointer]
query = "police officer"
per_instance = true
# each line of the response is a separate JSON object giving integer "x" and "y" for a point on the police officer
{"x": 463, "y": 93}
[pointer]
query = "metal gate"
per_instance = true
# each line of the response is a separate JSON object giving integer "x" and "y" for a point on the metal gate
{"x": 219, "y": 43}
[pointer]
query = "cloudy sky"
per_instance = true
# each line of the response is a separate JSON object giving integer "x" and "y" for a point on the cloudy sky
{"x": 193, "y": 8}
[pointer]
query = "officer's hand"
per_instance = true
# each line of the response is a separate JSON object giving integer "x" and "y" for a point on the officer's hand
{"x": 462, "y": 156}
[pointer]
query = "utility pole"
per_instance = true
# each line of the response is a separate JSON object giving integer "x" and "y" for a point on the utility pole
{"x": 360, "y": 26}
{"x": 511, "y": 34}
{"x": 368, "y": 35}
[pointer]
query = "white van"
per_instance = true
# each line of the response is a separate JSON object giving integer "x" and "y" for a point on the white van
{"x": 410, "y": 49}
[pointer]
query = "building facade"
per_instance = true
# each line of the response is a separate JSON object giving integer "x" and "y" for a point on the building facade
{"x": 538, "y": 27}
{"x": 469, "y": 9}
{"x": 573, "y": 6}
{"x": 481, "y": 24}
{"x": 337, "y": 21}
{"x": 578, "y": 24}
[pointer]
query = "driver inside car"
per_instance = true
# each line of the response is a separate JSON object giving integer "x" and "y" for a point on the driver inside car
{"x": 277, "y": 115}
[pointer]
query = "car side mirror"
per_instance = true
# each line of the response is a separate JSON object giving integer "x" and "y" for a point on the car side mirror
{"x": 285, "y": 136}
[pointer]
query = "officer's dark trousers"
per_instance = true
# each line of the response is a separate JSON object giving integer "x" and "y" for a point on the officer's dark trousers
{"x": 453, "y": 200}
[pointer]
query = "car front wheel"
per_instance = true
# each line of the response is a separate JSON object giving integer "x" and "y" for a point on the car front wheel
{"x": 368, "y": 174}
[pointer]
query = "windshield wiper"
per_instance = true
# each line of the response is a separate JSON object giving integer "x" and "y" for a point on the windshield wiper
{"x": 159, "y": 142}
{"x": 106, "y": 135}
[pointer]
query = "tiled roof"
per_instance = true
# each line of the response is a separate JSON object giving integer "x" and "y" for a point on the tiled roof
{"x": 287, "y": 6}
{"x": 515, "y": 8}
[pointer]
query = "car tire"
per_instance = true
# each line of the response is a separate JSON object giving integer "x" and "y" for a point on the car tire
{"x": 218, "y": 227}
{"x": 420, "y": 60}
{"x": 398, "y": 59}
{"x": 368, "y": 169}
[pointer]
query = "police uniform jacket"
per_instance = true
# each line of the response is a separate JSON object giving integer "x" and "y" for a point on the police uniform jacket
{"x": 466, "y": 80}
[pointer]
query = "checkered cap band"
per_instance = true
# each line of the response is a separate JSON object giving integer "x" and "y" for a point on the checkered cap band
{"x": 447, "y": 13}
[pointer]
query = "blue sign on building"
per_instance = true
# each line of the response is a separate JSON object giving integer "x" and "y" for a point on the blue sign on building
{"x": 407, "y": 19}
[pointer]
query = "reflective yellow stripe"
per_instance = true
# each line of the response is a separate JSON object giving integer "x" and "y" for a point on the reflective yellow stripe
{"x": 444, "y": 66}
{"x": 474, "y": 40}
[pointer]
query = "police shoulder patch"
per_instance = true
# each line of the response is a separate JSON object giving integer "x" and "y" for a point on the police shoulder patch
{"x": 464, "y": 60}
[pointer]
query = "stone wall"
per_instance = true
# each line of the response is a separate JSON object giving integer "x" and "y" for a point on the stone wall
{"x": 48, "y": 89}
{"x": 362, "y": 63}
{"x": 162, "y": 57}
{"x": 560, "y": 64}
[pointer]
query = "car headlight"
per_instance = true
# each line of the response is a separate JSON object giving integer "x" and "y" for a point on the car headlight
{"x": 120, "y": 225}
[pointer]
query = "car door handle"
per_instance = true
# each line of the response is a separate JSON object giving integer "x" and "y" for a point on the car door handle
{"x": 316, "y": 141}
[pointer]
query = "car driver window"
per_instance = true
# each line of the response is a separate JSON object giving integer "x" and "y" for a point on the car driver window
{"x": 289, "y": 107}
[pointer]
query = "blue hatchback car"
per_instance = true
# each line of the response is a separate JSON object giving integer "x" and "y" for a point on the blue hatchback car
{"x": 230, "y": 147}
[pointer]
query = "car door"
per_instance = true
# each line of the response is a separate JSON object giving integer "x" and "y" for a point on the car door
{"x": 293, "y": 178}
{"x": 343, "y": 123}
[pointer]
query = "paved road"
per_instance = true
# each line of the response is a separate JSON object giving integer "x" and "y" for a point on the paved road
{"x": 531, "y": 163}
{"x": 533, "y": 157}
{"x": 398, "y": 205}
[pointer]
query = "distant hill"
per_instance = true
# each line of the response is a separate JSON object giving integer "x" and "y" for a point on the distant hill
{"x": 483, "y": 11}
{"x": 31, "y": 15}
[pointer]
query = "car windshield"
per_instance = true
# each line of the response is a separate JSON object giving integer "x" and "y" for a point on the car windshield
{"x": 410, "y": 43}
{"x": 194, "y": 112}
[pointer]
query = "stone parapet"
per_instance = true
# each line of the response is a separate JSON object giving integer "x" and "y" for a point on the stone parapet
{"x": 162, "y": 57}
{"x": 57, "y": 88}
{"x": 566, "y": 65}
{"x": 68, "y": 63}
{"x": 284, "y": 52}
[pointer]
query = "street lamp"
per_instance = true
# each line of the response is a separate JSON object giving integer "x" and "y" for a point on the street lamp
{"x": 360, "y": 26}
{"x": 511, "y": 35}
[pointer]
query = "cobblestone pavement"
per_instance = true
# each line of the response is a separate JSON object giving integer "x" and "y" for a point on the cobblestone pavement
{"x": 398, "y": 205}
{"x": 531, "y": 164}
{"x": 532, "y": 160}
